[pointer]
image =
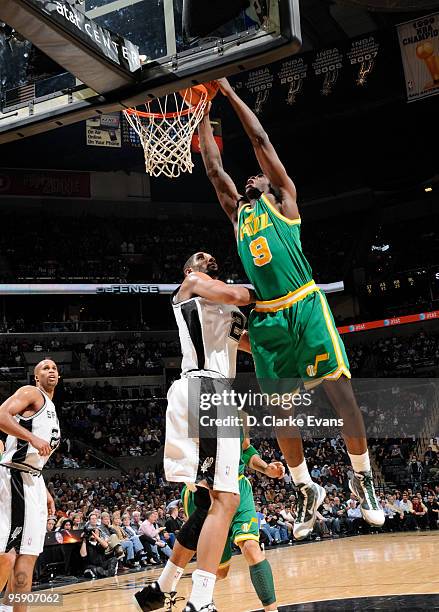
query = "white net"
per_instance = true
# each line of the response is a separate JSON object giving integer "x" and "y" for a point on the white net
{"x": 166, "y": 135}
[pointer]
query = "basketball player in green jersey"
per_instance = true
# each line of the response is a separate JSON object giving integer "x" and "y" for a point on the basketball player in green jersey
{"x": 292, "y": 331}
{"x": 244, "y": 532}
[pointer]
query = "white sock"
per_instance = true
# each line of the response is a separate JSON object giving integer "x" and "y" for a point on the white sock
{"x": 360, "y": 463}
{"x": 300, "y": 474}
{"x": 203, "y": 584}
{"x": 169, "y": 577}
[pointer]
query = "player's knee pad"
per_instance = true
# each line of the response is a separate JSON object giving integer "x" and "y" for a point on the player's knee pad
{"x": 189, "y": 534}
{"x": 202, "y": 498}
{"x": 262, "y": 580}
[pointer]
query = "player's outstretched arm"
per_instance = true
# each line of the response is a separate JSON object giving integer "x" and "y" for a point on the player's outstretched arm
{"x": 224, "y": 186}
{"x": 200, "y": 284}
{"x": 266, "y": 154}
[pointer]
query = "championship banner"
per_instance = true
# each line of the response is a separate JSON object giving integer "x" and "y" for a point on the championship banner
{"x": 327, "y": 66}
{"x": 291, "y": 76}
{"x": 419, "y": 42}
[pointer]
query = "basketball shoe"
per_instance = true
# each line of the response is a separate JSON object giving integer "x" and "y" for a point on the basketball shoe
{"x": 361, "y": 485}
{"x": 309, "y": 499}
{"x": 191, "y": 608}
{"x": 152, "y": 597}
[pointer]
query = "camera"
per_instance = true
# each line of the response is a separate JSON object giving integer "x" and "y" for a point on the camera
{"x": 87, "y": 534}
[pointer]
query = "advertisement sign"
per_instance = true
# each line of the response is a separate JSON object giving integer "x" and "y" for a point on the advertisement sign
{"x": 104, "y": 131}
{"x": 44, "y": 183}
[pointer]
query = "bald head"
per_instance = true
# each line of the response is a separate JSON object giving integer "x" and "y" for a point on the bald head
{"x": 42, "y": 363}
{"x": 46, "y": 375}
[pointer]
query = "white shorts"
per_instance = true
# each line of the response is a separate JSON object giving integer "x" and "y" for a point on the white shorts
{"x": 214, "y": 455}
{"x": 23, "y": 512}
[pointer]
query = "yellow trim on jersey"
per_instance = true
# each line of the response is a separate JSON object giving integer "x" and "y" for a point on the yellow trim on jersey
{"x": 185, "y": 501}
{"x": 241, "y": 476}
{"x": 332, "y": 333}
{"x": 287, "y": 300}
{"x": 338, "y": 373}
{"x": 279, "y": 214}
{"x": 240, "y": 209}
{"x": 244, "y": 537}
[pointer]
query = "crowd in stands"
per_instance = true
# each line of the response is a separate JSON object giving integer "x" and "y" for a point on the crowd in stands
{"x": 129, "y": 356}
{"x": 138, "y": 513}
{"x": 115, "y": 428}
{"x": 139, "y": 354}
{"x": 401, "y": 463}
{"x": 397, "y": 355}
{"x": 150, "y": 250}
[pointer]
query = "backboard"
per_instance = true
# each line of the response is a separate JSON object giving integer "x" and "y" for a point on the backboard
{"x": 36, "y": 98}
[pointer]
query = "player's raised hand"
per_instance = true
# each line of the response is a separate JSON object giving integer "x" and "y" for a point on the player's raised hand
{"x": 225, "y": 87}
{"x": 275, "y": 470}
{"x": 42, "y": 446}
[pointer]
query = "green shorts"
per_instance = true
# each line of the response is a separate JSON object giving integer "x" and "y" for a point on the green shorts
{"x": 296, "y": 340}
{"x": 244, "y": 525}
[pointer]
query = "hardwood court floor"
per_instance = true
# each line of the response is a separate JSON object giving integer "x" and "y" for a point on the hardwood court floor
{"x": 384, "y": 564}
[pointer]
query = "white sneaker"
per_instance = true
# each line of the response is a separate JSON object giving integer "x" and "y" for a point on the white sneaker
{"x": 361, "y": 485}
{"x": 309, "y": 499}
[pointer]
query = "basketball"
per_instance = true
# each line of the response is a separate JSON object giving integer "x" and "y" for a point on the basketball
{"x": 193, "y": 95}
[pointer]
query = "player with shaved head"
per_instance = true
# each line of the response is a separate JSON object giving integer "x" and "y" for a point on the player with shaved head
{"x": 30, "y": 421}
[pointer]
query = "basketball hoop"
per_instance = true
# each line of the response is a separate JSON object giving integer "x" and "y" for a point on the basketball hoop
{"x": 165, "y": 134}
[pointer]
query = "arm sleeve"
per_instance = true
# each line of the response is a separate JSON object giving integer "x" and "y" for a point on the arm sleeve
{"x": 248, "y": 454}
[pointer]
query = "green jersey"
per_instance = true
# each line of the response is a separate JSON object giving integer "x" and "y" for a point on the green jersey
{"x": 271, "y": 251}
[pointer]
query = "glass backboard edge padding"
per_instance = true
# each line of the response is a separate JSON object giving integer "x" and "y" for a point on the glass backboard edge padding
{"x": 104, "y": 9}
{"x": 171, "y": 42}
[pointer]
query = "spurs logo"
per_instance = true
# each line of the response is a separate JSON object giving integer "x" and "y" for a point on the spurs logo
{"x": 16, "y": 532}
{"x": 207, "y": 463}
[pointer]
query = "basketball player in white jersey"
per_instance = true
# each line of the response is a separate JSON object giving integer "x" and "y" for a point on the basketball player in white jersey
{"x": 30, "y": 420}
{"x": 211, "y": 327}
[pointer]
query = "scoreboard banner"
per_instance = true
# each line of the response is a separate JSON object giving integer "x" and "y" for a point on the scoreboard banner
{"x": 419, "y": 42}
{"x": 110, "y": 288}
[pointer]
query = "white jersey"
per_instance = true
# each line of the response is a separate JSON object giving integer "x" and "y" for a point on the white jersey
{"x": 45, "y": 425}
{"x": 209, "y": 335}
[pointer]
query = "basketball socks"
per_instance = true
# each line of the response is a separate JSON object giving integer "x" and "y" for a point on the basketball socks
{"x": 262, "y": 580}
{"x": 300, "y": 474}
{"x": 360, "y": 463}
{"x": 169, "y": 577}
{"x": 203, "y": 584}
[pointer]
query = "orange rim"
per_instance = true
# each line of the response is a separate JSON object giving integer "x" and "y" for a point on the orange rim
{"x": 173, "y": 115}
